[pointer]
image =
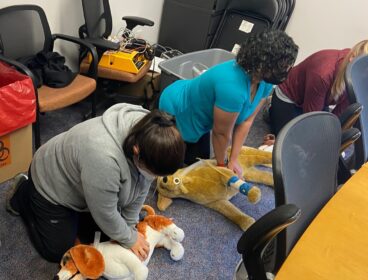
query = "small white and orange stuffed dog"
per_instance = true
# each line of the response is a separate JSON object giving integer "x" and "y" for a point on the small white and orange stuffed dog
{"x": 115, "y": 262}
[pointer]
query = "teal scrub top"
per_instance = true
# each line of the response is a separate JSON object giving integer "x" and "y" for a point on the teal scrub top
{"x": 226, "y": 86}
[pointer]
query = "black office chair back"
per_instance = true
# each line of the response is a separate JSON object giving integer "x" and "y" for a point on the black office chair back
{"x": 305, "y": 162}
{"x": 24, "y": 31}
{"x": 356, "y": 79}
{"x": 282, "y": 10}
{"x": 286, "y": 18}
{"x": 267, "y": 9}
{"x": 242, "y": 18}
{"x": 253, "y": 242}
{"x": 97, "y": 16}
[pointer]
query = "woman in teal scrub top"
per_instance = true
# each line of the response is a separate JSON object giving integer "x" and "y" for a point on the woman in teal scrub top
{"x": 227, "y": 97}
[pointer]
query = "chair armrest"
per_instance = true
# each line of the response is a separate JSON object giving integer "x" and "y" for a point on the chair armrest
{"x": 348, "y": 137}
{"x": 267, "y": 227}
{"x": 134, "y": 21}
{"x": 22, "y": 68}
{"x": 255, "y": 239}
{"x": 349, "y": 117}
{"x": 93, "y": 66}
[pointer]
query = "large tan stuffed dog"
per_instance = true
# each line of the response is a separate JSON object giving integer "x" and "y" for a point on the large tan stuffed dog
{"x": 206, "y": 184}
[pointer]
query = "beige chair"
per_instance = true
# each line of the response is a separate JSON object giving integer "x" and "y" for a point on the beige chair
{"x": 15, "y": 25}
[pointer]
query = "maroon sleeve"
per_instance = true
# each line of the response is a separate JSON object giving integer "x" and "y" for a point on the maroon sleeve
{"x": 341, "y": 105}
{"x": 315, "y": 92}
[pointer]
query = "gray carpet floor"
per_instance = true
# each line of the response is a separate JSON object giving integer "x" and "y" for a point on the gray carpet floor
{"x": 210, "y": 239}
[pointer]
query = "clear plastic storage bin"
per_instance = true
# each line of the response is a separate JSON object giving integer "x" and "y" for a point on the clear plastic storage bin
{"x": 191, "y": 65}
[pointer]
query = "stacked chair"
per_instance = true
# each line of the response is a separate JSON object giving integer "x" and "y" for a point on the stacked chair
{"x": 285, "y": 16}
{"x": 242, "y": 18}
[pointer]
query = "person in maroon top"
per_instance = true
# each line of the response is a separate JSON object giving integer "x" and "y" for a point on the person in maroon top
{"x": 313, "y": 85}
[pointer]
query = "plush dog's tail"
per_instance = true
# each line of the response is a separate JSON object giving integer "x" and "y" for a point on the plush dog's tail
{"x": 148, "y": 209}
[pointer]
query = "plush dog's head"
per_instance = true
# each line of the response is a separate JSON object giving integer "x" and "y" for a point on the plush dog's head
{"x": 171, "y": 186}
{"x": 81, "y": 262}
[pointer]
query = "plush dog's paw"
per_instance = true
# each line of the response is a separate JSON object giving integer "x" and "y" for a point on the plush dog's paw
{"x": 163, "y": 202}
{"x": 246, "y": 222}
{"x": 177, "y": 252}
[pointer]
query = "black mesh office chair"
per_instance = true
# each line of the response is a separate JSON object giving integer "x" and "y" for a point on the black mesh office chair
{"x": 356, "y": 77}
{"x": 305, "y": 162}
{"x": 253, "y": 242}
{"x": 97, "y": 28}
{"x": 242, "y": 18}
{"x": 24, "y": 31}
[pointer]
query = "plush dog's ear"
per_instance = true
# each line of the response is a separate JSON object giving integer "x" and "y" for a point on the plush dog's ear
{"x": 88, "y": 260}
{"x": 68, "y": 267}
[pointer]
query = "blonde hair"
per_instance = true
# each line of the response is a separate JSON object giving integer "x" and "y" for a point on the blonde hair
{"x": 338, "y": 87}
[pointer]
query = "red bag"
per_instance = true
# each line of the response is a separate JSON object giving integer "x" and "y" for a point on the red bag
{"x": 17, "y": 100}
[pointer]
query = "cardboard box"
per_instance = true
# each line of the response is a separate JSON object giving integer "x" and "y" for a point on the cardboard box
{"x": 149, "y": 83}
{"x": 15, "y": 152}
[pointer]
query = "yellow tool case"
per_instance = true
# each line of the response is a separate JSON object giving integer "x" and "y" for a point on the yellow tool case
{"x": 128, "y": 61}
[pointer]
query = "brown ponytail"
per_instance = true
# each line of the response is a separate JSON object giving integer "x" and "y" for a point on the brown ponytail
{"x": 161, "y": 147}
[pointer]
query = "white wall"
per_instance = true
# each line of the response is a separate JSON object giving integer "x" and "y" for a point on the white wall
{"x": 65, "y": 16}
{"x": 150, "y": 9}
{"x": 324, "y": 24}
{"x": 315, "y": 24}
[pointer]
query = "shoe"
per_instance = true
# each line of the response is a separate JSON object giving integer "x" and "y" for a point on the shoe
{"x": 18, "y": 179}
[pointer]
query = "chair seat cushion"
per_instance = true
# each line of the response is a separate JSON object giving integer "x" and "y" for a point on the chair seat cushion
{"x": 112, "y": 74}
{"x": 56, "y": 98}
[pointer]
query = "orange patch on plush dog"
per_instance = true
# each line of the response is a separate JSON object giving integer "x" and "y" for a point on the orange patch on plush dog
{"x": 157, "y": 222}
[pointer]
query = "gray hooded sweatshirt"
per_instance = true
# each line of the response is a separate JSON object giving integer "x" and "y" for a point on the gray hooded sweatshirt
{"x": 85, "y": 169}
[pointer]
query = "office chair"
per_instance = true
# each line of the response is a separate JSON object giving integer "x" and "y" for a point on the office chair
{"x": 97, "y": 28}
{"x": 282, "y": 10}
{"x": 305, "y": 162}
{"x": 253, "y": 242}
{"x": 24, "y": 31}
{"x": 349, "y": 136}
{"x": 242, "y": 18}
{"x": 349, "y": 117}
{"x": 286, "y": 18}
{"x": 356, "y": 77}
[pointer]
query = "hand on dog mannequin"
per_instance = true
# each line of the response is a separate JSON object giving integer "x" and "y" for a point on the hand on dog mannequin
{"x": 116, "y": 262}
{"x": 207, "y": 183}
{"x": 268, "y": 143}
{"x": 234, "y": 166}
{"x": 141, "y": 247}
{"x": 269, "y": 139}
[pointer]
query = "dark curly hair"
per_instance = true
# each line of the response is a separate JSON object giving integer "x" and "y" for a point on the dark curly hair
{"x": 270, "y": 51}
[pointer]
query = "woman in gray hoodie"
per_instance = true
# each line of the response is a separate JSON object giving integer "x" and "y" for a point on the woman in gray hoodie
{"x": 103, "y": 166}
